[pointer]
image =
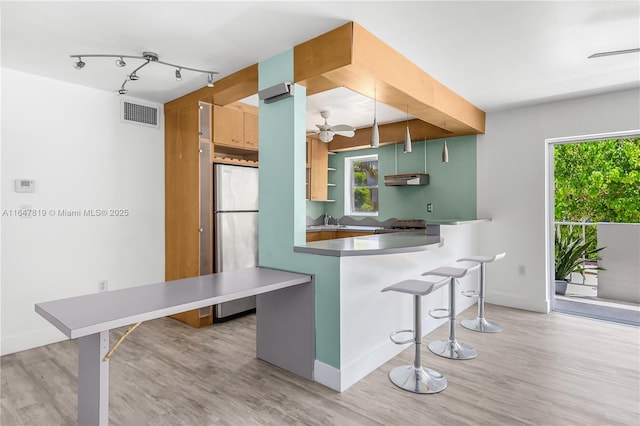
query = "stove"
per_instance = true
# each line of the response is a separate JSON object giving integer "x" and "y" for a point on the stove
{"x": 403, "y": 225}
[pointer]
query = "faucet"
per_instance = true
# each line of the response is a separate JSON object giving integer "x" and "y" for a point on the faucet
{"x": 326, "y": 219}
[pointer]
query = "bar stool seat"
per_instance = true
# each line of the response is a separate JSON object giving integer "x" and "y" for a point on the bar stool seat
{"x": 416, "y": 378}
{"x": 481, "y": 324}
{"x": 451, "y": 348}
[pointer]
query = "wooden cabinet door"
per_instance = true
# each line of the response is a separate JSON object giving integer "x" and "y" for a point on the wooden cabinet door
{"x": 250, "y": 131}
{"x": 204, "y": 121}
{"x": 318, "y": 166}
{"x": 228, "y": 127}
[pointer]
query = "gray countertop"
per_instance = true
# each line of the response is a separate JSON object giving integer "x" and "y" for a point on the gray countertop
{"x": 83, "y": 315}
{"x": 353, "y": 228}
{"x": 403, "y": 242}
{"x": 455, "y": 221}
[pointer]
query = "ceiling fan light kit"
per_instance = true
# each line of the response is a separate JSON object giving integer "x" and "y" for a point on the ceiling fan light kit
{"x": 327, "y": 131}
{"x": 147, "y": 57}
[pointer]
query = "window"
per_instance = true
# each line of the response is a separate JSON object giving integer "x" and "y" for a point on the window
{"x": 361, "y": 186}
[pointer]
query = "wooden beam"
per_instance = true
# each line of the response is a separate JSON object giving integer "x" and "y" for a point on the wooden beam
{"x": 427, "y": 98}
{"x": 236, "y": 86}
{"x": 227, "y": 90}
{"x": 327, "y": 52}
{"x": 389, "y": 134}
{"x": 351, "y": 57}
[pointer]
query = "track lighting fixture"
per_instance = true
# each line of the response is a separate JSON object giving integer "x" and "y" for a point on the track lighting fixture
{"x": 375, "y": 133}
{"x": 147, "y": 57}
{"x": 407, "y": 136}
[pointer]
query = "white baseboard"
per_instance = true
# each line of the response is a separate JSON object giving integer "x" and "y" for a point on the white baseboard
{"x": 327, "y": 375}
{"x": 514, "y": 301}
{"x": 32, "y": 339}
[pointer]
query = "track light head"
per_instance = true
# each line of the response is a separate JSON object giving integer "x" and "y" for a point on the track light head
{"x": 178, "y": 75}
{"x": 134, "y": 77}
{"x": 80, "y": 64}
{"x": 210, "y": 80}
{"x": 120, "y": 62}
{"x": 122, "y": 91}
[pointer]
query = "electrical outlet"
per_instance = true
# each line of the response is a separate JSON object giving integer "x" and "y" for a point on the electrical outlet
{"x": 103, "y": 285}
{"x": 429, "y": 208}
{"x": 522, "y": 270}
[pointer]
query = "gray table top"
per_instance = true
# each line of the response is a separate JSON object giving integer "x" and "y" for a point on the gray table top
{"x": 401, "y": 242}
{"x": 89, "y": 314}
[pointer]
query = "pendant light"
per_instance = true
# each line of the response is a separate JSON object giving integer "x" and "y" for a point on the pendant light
{"x": 445, "y": 153}
{"x": 407, "y": 136}
{"x": 375, "y": 134}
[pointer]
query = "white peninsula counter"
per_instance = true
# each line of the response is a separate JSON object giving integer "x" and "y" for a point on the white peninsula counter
{"x": 367, "y": 265}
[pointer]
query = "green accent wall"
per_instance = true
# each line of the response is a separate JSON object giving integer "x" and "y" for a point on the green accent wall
{"x": 282, "y": 217}
{"x": 451, "y": 189}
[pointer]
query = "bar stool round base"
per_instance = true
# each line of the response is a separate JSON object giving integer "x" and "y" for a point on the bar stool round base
{"x": 481, "y": 325}
{"x": 452, "y": 350}
{"x": 418, "y": 380}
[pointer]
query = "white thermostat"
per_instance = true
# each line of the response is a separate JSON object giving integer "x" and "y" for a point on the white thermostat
{"x": 25, "y": 185}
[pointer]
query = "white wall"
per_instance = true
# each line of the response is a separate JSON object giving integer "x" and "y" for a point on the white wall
{"x": 70, "y": 140}
{"x": 511, "y": 185}
{"x": 620, "y": 259}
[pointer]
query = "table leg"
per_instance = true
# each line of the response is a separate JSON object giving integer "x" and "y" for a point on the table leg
{"x": 93, "y": 379}
{"x": 285, "y": 324}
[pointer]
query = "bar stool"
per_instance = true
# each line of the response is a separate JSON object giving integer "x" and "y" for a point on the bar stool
{"x": 480, "y": 324}
{"x": 416, "y": 378}
{"x": 451, "y": 348}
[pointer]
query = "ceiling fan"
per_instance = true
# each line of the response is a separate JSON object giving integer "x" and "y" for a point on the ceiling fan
{"x": 327, "y": 131}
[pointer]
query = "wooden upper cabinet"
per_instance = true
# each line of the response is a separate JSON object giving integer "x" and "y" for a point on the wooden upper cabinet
{"x": 250, "y": 131}
{"x": 318, "y": 155}
{"x": 235, "y": 128}
{"x": 228, "y": 126}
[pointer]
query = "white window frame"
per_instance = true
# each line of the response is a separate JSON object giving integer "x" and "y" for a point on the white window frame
{"x": 349, "y": 187}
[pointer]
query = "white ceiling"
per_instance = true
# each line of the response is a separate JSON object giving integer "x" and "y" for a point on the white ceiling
{"x": 495, "y": 54}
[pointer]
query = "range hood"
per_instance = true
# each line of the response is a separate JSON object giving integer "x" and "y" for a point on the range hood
{"x": 408, "y": 179}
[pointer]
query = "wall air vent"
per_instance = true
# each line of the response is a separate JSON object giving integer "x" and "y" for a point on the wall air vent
{"x": 136, "y": 112}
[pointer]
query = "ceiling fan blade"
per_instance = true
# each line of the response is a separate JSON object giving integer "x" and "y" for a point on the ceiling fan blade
{"x": 613, "y": 52}
{"x": 346, "y": 133}
{"x": 312, "y": 132}
{"x": 343, "y": 128}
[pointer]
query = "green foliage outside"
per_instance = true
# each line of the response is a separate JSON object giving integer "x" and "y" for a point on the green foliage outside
{"x": 598, "y": 181}
{"x": 365, "y": 175}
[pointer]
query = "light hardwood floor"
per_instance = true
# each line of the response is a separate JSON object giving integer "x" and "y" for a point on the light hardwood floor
{"x": 542, "y": 370}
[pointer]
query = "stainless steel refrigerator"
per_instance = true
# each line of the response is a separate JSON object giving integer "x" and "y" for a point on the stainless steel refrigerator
{"x": 235, "y": 208}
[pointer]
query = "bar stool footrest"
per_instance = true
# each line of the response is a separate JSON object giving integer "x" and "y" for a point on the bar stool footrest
{"x": 470, "y": 293}
{"x": 432, "y": 313}
{"x": 401, "y": 342}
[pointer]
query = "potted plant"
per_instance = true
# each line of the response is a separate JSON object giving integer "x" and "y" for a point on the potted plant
{"x": 572, "y": 253}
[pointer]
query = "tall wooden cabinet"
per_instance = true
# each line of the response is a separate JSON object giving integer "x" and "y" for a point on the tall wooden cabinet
{"x": 197, "y": 134}
{"x": 188, "y": 195}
